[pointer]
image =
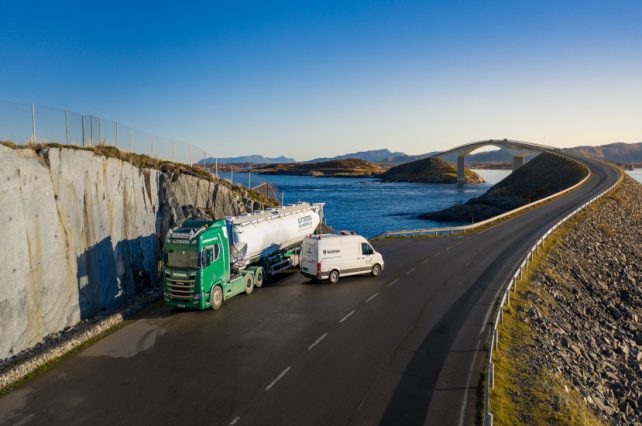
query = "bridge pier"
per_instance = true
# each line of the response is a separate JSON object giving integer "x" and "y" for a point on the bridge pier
{"x": 461, "y": 176}
{"x": 518, "y": 161}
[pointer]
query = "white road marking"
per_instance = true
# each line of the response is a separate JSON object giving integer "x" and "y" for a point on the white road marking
{"x": 347, "y": 316}
{"x": 372, "y": 297}
{"x": 316, "y": 342}
{"x": 410, "y": 271}
{"x": 462, "y": 411}
{"x": 449, "y": 247}
{"x": 424, "y": 262}
{"x": 236, "y": 419}
{"x": 394, "y": 282}
{"x": 279, "y": 377}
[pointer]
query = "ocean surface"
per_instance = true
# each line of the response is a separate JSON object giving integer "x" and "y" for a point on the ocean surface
{"x": 368, "y": 206}
{"x": 635, "y": 174}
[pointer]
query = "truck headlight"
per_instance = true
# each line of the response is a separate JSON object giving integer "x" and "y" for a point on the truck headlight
{"x": 199, "y": 296}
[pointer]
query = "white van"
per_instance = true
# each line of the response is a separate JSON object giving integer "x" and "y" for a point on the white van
{"x": 338, "y": 255}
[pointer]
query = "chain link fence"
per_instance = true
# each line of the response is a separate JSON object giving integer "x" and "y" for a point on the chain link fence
{"x": 23, "y": 124}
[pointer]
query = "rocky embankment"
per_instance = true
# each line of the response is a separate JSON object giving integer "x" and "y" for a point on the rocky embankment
{"x": 582, "y": 317}
{"x": 544, "y": 175}
{"x": 349, "y": 167}
{"x": 83, "y": 233}
{"x": 428, "y": 170}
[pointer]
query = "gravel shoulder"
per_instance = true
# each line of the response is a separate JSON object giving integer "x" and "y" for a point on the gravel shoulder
{"x": 571, "y": 345}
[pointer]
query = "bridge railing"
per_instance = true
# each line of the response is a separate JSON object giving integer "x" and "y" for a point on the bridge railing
{"x": 511, "y": 287}
{"x": 32, "y": 124}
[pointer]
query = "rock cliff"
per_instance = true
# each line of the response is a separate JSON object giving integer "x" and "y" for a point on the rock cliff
{"x": 349, "y": 167}
{"x": 82, "y": 233}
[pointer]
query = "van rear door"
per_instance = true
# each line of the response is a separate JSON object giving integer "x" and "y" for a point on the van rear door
{"x": 309, "y": 256}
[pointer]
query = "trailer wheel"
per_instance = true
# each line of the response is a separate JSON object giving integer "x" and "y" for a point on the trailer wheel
{"x": 334, "y": 276}
{"x": 249, "y": 284}
{"x": 260, "y": 277}
{"x": 376, "y": 270}
{"x": 216, "y": 297}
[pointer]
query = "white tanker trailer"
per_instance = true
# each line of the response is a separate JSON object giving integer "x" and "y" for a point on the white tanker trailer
{"x": 207, "y": 262}
{"x": 259, "y": 235}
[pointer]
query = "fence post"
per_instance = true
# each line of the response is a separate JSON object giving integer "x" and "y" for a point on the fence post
{"x": 33, "y": 123}
{"x": 67, "y": 127}
{"x": 100, "y": 131}
{"x": 117, "y": 134}
{"x": 152, "y": 146}
{"x": 131, "y": 140}
{"x": 82, "y": 125}
{"x": 171, "y": 145}
{"x": 190, "y": 154}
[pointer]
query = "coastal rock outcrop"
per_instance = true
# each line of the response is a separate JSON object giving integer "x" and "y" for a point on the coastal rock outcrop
{"x": 82, "y": 234}
{"x": 545, "y": 175}
{"x": 348, "y": 167}
{"x": 428, "y": 170}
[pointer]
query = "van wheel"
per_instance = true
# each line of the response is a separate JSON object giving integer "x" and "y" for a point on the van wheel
{"x": 376, "y": 270}
{"x": 249, "y": 284}
{"x": 334, "y": 276}
{"x": 216, "y": 297}
{"x": 259, "y": 278}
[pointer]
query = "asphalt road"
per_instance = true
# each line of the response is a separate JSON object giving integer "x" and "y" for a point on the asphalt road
{"x": 404, "y": 348}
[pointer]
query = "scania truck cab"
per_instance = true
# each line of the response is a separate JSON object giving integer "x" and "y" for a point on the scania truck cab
{"x": 197, "y": 273}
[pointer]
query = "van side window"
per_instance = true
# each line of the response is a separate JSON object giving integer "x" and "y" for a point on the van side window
{"x": 366, "y": 249}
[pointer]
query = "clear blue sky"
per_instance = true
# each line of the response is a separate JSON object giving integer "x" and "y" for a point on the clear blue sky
{"x": 312, "y": 78}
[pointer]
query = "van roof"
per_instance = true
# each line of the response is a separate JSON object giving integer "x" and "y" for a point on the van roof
{"x": 333, "y": 236}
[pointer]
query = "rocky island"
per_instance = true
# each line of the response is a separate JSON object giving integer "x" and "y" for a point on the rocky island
{"x": 428, "y": 170}
{"x": 349, "y": 167}
{"x": 545, "y": 175}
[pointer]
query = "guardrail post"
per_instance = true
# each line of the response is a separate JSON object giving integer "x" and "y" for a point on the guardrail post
{"x": 491, "y": 375}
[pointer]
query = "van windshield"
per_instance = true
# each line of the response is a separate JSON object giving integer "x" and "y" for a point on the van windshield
{"x": 182, "y": 259}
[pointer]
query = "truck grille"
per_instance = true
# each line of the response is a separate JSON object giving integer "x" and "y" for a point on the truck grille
{"x": 180, "y": 289}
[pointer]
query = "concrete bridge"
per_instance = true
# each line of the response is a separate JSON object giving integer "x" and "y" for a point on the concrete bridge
{"x": 518, "y": 149}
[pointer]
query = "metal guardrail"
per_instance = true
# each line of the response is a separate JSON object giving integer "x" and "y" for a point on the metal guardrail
{"x": 465, "y": 228}
{"x": 511, "y": 287}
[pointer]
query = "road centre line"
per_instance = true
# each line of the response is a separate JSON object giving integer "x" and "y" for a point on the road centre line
{"x": 348, "y": 316}
{"x": 279, "y": 377}
{"x": 410, "y": 271}
{"x": 424, "y": 261}
{"x": 393, "y": 282}
{"x": 236, "y": 419}
{"x": 372, "y": 297}
{"x": 316, "y": 342}
{"x": 448, "y": 248}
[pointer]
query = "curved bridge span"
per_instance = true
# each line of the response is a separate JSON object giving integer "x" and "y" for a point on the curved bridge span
{"x": 518, "y": 149}
{"x": 402, "y": 348}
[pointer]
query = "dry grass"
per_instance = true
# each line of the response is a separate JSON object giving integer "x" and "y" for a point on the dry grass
{"x": 145, "y": 161}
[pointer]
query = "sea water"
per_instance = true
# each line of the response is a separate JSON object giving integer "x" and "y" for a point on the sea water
{"x": 369, "y": 206}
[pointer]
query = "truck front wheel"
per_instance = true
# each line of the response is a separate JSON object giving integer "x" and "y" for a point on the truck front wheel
{"x": 216, "y": 297}
{"x": 334, "y": 276}
{"x": 249, "y": 284}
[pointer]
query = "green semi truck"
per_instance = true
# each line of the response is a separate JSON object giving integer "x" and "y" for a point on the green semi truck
{"x": 206, "y": 262}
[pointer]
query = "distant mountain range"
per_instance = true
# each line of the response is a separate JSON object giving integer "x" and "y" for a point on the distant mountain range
{"x": 618, "y": 152}
{"x": 248, "y": 159}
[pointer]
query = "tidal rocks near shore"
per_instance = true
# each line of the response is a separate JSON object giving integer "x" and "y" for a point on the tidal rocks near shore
{"x": 428, "y": 170}
{"x": 544, "y": 175}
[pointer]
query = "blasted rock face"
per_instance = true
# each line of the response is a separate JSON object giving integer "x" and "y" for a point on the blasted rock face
{"x": 82, "y": 234}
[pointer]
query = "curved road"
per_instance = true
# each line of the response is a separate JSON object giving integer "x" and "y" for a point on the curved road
{"x": 404, "y": 348}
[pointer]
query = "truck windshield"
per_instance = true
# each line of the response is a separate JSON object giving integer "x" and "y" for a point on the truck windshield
{"x": 182, "y": 259}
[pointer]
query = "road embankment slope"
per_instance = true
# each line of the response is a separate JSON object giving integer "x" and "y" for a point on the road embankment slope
{"x": 574, "y": 330}
{"x": 402, "y": 348}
